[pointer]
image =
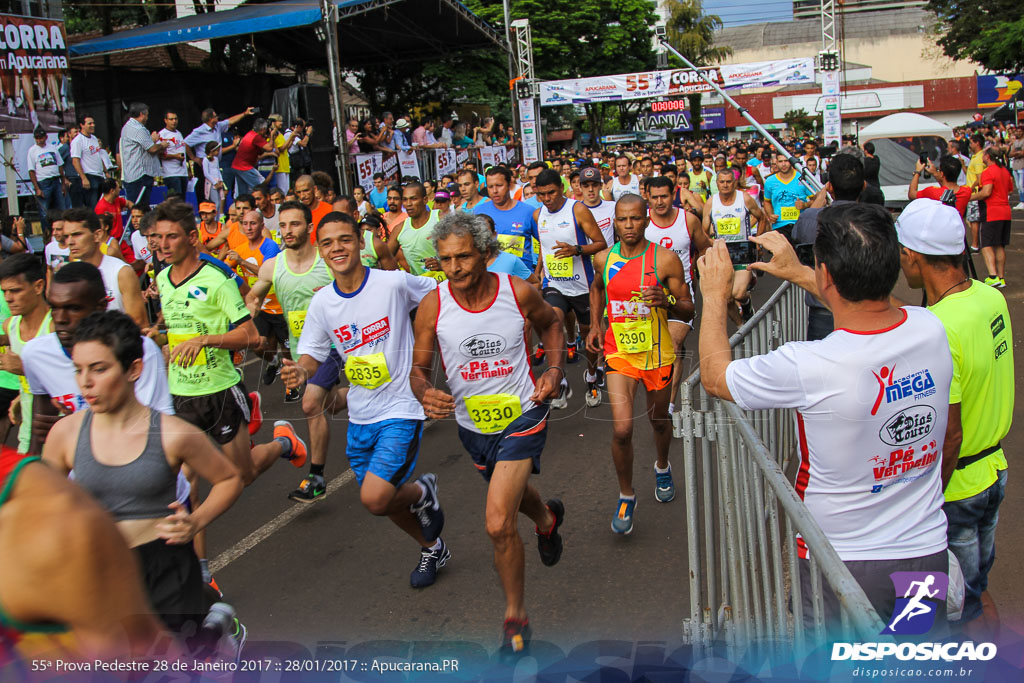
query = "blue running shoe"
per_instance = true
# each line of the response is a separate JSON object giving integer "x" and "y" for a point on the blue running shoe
{"x": 664, "y": 488}
{"x": 622, "y": 522}
{"x": 425, "y": 573}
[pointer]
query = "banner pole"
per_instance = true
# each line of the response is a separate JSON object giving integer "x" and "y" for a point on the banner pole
{"x": 806, "y": 179}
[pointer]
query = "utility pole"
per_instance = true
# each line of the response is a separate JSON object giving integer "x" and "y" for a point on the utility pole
{"x": 329, "y": 15}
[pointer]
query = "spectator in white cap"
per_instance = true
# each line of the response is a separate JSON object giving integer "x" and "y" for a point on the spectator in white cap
{"x": 401, "y": 130}
{"x": 977, "y": 323}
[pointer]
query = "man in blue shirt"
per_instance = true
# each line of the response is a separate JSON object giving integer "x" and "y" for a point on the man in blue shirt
{"x": 513, "y": 221}
{"x": 784, "y": 196}
{"x": 212, "y": 129}
{"x": 379, "y": 193}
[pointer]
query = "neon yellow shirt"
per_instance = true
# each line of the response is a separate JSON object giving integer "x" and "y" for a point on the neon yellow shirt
{"x": 977, "y": 324}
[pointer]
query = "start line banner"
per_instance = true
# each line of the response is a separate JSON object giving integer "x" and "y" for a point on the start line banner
{"x": 671, "y": 82}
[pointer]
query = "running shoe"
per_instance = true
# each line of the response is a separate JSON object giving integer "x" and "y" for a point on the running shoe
{"x": 212, "y": 585}
{"x": 270, "y": 371}
{"x": 428, "y": 511}
{"x": 236, "y": 641}
{"x": 516, "y": 637}
{"x": 425, "y": 573}
{"x": 1019, "y": 207}
{"x": 537, "y": 357}
{"x": 297, "y": 454}
{"x": 549, "y": 544}
{"x": 562, "y": 401}
{"x": 292, "y": 396}
{"x": 238, "y": 357}
{"x": 601, "y": 376}
{"x": 311, "y": 489}
{"x": 255, "y": 412}
{"x": 664, "y": 487}
{"x": 593, "y": 390}
{"x": 1002, "y": 283}
{"x": 622, "y": 522}
{"x": 747, "y": 309}
{"x": 992, "y": 281}
{"x": 571, "y": 356}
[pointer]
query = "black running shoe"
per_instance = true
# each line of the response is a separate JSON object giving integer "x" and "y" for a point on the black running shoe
{"x": 429, "y": 512}
{"x": 425, "y": 573}
{"x": 516, "y": 637}
{"x": 549, "y": 545}
{"x": 292, "y": 396}
{"x": 270, "y": 372}
{"x": 311, "y": 489}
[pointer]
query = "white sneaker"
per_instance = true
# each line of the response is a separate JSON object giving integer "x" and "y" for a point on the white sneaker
{"x": 1019, "y": 207}
{"x": 34, "y": 118}
{"x": 562, "y": 401}
{"x": 11, "y": 110}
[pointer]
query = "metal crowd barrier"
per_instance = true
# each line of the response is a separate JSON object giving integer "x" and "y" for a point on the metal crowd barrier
{"x": 427, "y": 162}
{"x": 743, "y": 513}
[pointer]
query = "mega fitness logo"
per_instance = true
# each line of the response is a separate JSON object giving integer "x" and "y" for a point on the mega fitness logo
{"x": 917, "y": 385}
{"x": 918, "y": 597}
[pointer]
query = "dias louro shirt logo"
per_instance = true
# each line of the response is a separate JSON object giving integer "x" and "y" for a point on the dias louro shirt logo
{"x": 918, "y": 598}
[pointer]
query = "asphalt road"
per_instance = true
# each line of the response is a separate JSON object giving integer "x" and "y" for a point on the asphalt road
{"x": 330, "y": 578}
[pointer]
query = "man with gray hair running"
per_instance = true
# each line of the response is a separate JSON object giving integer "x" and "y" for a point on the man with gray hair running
{"x": 478, "y": 321}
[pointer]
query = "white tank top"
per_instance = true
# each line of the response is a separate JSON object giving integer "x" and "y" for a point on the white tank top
{"x": 730, "y": 222}
{"x": 571, "y": 276}
{"x": 109, "y": 268}
{"x": 675, "y": 237}
{"x": 484, "y": 353}
{"x": 632, "y": 187}
{"x": 604, "y": 215}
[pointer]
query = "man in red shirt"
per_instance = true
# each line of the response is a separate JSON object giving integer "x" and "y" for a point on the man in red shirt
{"x": 948, "y": 192}
{"x": 110, "y": 202}
{"x": 253, "y": 144}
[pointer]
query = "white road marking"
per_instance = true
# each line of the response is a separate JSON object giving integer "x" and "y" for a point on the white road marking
{"x": 268, "y": 529}
{"x": 282, "y": 520}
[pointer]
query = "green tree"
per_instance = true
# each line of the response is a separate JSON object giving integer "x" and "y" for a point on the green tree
{"x": 988, "y": 33}
{"x": 692, "y": 32}
{"x": 799, "y": 120}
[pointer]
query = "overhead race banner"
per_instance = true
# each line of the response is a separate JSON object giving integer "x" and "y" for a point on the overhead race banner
{"x": 671, "y": 82}
{"x": 995, "y": 91}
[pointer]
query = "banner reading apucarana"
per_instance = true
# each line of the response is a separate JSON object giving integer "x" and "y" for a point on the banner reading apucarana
{"x": 34, "y": 86}
{"x": 669, "y": 82}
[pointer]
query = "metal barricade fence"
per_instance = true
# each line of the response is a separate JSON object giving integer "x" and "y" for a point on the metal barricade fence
{"x": 743, "y": 513}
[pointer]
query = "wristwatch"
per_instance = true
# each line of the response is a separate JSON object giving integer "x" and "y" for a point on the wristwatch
{"x": 579, "y": 250}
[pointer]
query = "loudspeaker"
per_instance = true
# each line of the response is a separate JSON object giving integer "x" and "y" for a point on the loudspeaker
{"x": 312, "y": 104}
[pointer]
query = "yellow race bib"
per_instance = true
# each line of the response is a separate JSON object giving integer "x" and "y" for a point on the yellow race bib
{"x": 728, "y": 226}
{"x": 369, "y": 371}
{"x": 296, "y": 321}
{"x": 436, "y": 275}
{"x": 175, "y": 339}
{"x": 513, "y": 244}
{"x": 559, "y": 267}
{"x": 633, "y": 336}
{"x": 493, "y": 412}
{"x": 789, "y": 213}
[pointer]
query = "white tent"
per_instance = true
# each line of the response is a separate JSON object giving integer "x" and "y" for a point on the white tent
{"x": 904, "y": 124}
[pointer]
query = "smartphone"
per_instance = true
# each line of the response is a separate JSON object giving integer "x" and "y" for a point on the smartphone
{"x": 255, "y": 110}
{"x": 924, "y": 158}
{"x": 742, "y": 253}
{"x": 805, "y": 253}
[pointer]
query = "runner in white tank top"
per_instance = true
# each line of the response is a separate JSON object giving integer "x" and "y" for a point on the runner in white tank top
{"x": 730, "y": 216}
{"x": 364, "y": 314}
{"x": 478, "y": 320}
{"x": 602, "y": 209}
{"x": 676, "y": 229}
{"x": 569, "y": 238}
{"x": 623, "y": 182}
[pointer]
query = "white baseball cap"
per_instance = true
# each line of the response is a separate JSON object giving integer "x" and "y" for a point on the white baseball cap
{"x": 928, "y": 226}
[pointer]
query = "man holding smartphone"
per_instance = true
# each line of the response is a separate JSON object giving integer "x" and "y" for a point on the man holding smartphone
{"x": 730, "y": 216}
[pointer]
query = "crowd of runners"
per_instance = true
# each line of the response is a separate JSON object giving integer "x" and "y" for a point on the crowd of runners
{"x": 133, "y": 334}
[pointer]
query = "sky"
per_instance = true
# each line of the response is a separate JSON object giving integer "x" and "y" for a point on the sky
{"x": 737, "y": 12}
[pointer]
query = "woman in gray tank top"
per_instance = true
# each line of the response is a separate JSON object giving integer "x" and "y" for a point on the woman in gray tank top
{"x": 128, "y": 457}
